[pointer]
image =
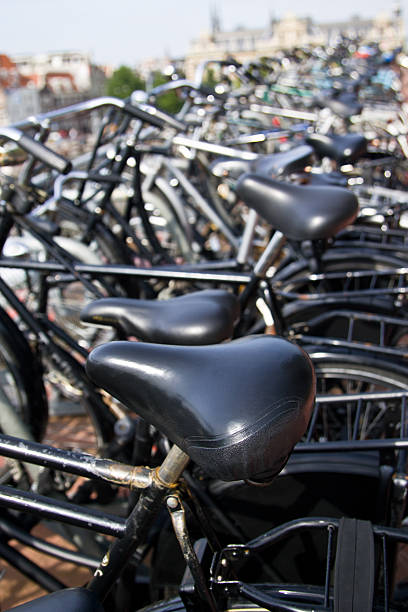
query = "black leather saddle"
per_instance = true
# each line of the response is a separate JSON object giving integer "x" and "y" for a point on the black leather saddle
{"x": 202, "y": 317}
{"x": 67, "y": 600}
{"x": 343, "y": 149}
{"x": 237, "y": 409}
{"x": 335, "y": 179}
{"x": 274, "y": 165}
{"x": 300, "y": 212}
{"x": 285, "y": 162}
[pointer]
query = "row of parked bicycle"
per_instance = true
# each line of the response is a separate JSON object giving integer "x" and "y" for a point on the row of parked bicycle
{"x": 260, "y": 263}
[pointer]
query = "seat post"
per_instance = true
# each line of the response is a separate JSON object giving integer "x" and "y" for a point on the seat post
{"x": 270, "y": 254}
{"x": 138, "y": 524}
{"x": 173, "y": 466}
{"x": 247, "y": 238}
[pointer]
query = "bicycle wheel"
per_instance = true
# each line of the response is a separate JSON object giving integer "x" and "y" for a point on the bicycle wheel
{"x": 23, "y": 401}
{"x": 66, "y": 300}
{"x": 21, "y": 378}
{"x": 374, "y": 326}
{"x": 101, "y": 244}
{"x": 168, "y": 224}
{"x": 58, "y": 303}
{"x": 354, "y": 372}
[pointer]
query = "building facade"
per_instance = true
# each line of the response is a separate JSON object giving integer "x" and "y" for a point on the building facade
{"x": 31, "y": 84}
{"x": 289, "y": 32}
{"x": 63, "y": 70}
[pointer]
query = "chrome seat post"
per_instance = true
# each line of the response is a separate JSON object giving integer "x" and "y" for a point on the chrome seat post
{"x": 138, "y": 523}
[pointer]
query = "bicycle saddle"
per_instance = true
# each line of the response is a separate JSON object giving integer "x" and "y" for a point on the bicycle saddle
{"x": 67, "y": 600}
{"x": 327, "y": 179}
{"x": 237, "y": 409}
{"x": 203, "y": 317}
{"x": 300, "y": 212}
{"x": 224, "y": 167}
{"x": 272, "y": 165}
{"x": 285, "y": 162}
{"x": 342, "y": 149}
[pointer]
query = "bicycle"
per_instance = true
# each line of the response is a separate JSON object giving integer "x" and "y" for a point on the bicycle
{"x": 133, "y": 371}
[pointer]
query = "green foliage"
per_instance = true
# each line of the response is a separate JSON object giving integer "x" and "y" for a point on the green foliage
{"x": 169, "y": 101}
{"x": 209, "y": 79}
{"x": 123, "y": 81}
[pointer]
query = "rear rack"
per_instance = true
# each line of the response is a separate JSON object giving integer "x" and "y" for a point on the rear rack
{"x": 350, "y": 329}
{"x": 381, "y": 238}
{"x": 358, "y": 421}
{"x": 332, "y": 571}
{"x": 350, "y": 284}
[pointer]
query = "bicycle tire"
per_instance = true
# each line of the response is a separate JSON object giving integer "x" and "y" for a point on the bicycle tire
{"x": 22, "y": 377}
{"x": 373, "y": 370}
{"x": 355, "y": 567}
{"x": 171, "y": 605}
{"x": 100, "y": 241}
{"x": 174, "y": 239}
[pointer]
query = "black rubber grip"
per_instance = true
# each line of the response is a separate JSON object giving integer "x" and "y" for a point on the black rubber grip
{"x": 170, "y": 120}
{"x": 138, "y": 113}
{"x": 209, "y": 91}
{"x": 156, "y": 115}
{"x": 44, "y": 154}
{"x": 104, "y": 178}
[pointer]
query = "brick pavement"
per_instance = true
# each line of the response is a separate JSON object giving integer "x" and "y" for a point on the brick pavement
{"x": 68, "y": 432}
{"x": 16, "y": 588}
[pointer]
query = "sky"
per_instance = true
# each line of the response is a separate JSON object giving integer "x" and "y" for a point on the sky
{"x": 118, "y": 32}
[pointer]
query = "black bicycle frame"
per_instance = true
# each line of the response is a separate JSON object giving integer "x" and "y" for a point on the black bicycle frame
{"x": 132, "y": 532}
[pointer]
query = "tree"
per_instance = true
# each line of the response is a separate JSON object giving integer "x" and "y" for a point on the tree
{"x": 169, "y": 101}
{"x": 123, "y": 81}
{"x": 209, "y": 79}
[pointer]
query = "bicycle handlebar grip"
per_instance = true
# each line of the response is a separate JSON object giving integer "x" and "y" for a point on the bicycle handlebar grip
{"x": 104, "y": 178}
{"x": 44, "y": 154}
{"x": 138, "y": 113}
{"x": 164, "y": 118}
{"x": 209, "y": 91}
{"x": 171, "y": 121}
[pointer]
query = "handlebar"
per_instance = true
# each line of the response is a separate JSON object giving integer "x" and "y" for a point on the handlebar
{"x": 37, "y": 149}
{"x": 78, "y": 175}
{"x": 284, "y": 112}
{"x": 163, "y": 117}
{"x": 201, "y": 68}
{"x": 185, "y": 84}
{"x": 87, "y": 106}
{"x": 216, "y": 149}
{"x": 171, "y": 86}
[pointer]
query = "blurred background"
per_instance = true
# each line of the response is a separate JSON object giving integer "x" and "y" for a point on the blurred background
{"x": 53, "y": 54}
